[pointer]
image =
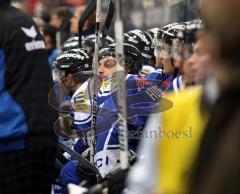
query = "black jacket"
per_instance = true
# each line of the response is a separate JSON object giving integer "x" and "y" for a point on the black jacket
{"x": 217, "y": 168}
{"x": 25, "y": 81}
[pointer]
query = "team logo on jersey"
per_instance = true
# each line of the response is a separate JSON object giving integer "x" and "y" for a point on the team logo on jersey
{"x": 30, "y": 32}
{"x": 34, "y": 45}
{"x": 80, "y": 102}
{"x": 142, "y": 83}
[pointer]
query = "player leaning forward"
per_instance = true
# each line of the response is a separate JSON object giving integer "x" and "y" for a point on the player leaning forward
{"x": 73, "y": 72}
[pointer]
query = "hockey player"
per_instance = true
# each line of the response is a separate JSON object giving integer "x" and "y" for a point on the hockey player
{"x": 195, "y": 105}
{"x": 175, "y": 157}
{"x": 107, "y": 145}
{"x": 189, "y": 48}
{"x": 71, "y": 43}
{"x": 72, "y": 70}
{"x": 153, "y": 32}
{"x": 88, "y": 43}
{"x": 163, "y": 51}
{"x": 182, "y": 50}
{"x": 142, "y": 42}
{"x": 139, "y": 100}
{"x": 172, "y": 47}
{"x": 142, "y": 97}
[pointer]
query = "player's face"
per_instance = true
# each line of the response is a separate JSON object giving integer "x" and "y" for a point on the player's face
{"x": 198, "y": 65}
{"x": 189, "y": 67}
{"x": 107, "y": 67}
{"x": 203, "y": 62}
{"x": 66, "y": 83}
{"x": 163, "y": 60}
{"x": 179, "y": 56}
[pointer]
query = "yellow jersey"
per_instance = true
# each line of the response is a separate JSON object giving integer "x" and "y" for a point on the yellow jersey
{"x": 181, "y": 131}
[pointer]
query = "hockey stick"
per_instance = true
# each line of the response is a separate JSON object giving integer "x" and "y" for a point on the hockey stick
{"x": 91, "y": 7}
{"x": 186, "y": 11}
{"x": 58, "y": 40}
{"x": 95, "y": 82}
{"x": 58, "y": 164}
{"x": 123, "y": 139}
{"x": 78, "y": 157}
{"x": 108, "y": 22}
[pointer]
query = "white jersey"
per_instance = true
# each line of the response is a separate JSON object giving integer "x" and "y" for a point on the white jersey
{"x": 81, "y": 104}
{"x": 146, "y": 70}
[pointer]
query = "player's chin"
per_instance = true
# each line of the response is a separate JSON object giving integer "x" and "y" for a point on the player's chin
{"x": 101, "y": 76}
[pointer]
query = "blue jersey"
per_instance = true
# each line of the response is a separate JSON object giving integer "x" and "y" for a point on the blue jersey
{"x": 68, "y": 175}
{"x": 142, "y": 95}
